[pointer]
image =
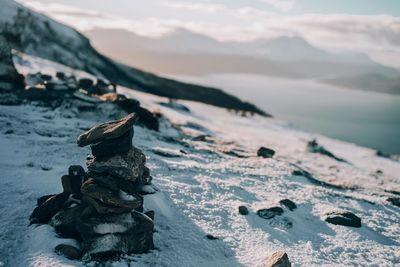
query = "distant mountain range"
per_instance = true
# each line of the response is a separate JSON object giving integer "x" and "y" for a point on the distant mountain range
{"x": 38, "y": 35}
{"x": 186, "y": 53}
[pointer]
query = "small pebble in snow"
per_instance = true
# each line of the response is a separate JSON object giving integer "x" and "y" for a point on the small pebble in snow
{"x": 243, "y": 210}
{"x": 45, "y": 168}
{"x": 211, "y": 237}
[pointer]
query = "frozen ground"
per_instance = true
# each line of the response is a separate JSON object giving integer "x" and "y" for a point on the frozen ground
{"x": 201, "y": 186}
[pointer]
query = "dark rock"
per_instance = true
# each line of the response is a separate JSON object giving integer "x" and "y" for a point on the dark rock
{"x": 44, "y": 212}
{"x": 343, "y": 218}
{"x": 269, "y": 213}
{"x": 146, "y": 118}
{"x": 109, "y": 235}
{"x": 314, "y": 147}
{"x": 113, "y": 146}
{"x": 65, "y": 222}
{"x": 43, "y": 199}
{"x": 68, "y": 184}
{"x": 114, "y": 183}
{"x": 106, "y": 196}
{"x": 85, "y": 83}
{"x": 56, "y": 85}
{"x": 265, "y": 152}
{"x": 146, "y": 178}
{"x": 127, "y": 166}
{"x": 394, "y": 200}
{"x": 243, "y": 210}
{"x": 278, "y": 259}
{"x": 108, "y": 130}
{"x": 175, "y": 105}
{"x": 288, "y": 204}
{"x": 211, "y": 237}
{"x": 9, "y": 99}
{"x": 150, "y": 214}
{"x": 166, "y": 154}
{"x": 68, "y": 251}
{"x": 60, "y": 75}
{"x": 37, "y": 93}
{"x": 10, "y": 79}
{"x": 76, "y": 171}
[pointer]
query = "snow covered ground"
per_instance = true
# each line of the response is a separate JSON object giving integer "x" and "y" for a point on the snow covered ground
{"x": 201, "y": 184}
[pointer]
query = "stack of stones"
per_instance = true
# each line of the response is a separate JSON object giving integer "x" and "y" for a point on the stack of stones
{"x": 103, "y": 208}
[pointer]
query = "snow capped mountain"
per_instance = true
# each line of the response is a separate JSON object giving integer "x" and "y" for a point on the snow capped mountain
{"x": 291, "y": 57}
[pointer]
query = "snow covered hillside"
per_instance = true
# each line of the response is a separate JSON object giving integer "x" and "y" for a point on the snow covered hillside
{"x": 205, "y": 165}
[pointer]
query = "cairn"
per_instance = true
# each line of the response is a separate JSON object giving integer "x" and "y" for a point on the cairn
{"x": 103, "y": 207}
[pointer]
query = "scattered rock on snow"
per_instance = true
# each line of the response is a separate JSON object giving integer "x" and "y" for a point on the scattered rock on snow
{"x": 278, "y": 259}
{"x": 265, "y": 152}
{"x": 243, "y": 210}
{"x": 344, "y": 218}
{"x": 314, "y": 147}
{"x": 288, "y": 204}
{"x": 211, "y": 237}
{"x": 68, "y": 251}
{"x": 270, "y": 212}
{"x": 394, "y": 200}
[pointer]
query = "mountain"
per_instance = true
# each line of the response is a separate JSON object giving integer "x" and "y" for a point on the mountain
{"x": 186, "y": 53}
{"x": 38, "y": 35}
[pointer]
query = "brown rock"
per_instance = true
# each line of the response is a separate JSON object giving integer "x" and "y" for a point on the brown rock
{"x": 108, "y": 197}
{"x": 108, "y": 130}
{"x": 115, "y": 183}
{"x": 113, "y": 146}
{"x": 102, "y": 208}
{"x": 127, "y": 166}
{"x": 278, "y": 259}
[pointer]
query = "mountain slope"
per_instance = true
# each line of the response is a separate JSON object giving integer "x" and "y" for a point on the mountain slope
{"x": 38, "y": 35}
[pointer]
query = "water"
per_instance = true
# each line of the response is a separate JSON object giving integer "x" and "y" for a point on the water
{"x": 365, "y": 118}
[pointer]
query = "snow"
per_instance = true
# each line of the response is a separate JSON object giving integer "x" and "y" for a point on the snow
{"x": 109, "y": 228}
{"x": 200, "y": 190}
{"x": 125, "y": 196}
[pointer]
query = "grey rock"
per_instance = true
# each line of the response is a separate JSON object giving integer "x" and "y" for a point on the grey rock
{"x": 288, "y": 204}
{"x": 243, "y": 210}
{"x": 278, "y": 259}
{"x": 108, "y": 130}
{"x": 265, "y": 152}
{"x": 270, "y": 212}
{"x": 65, "y": 221}
{"x": 106, "y": 236}
{"x": 128, "y": 166}
{"x": 92, "y": 189}
{"x": 344, "y": 218}
{"x": 394, "y": 200}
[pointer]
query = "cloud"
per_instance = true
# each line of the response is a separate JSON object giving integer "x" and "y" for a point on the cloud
{"x": 372, "y": 34}
{"x": 281, "y": 5}
{"x": 195, "y": 6}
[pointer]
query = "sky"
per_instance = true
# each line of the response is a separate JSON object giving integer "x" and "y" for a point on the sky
{"x": 365, "y": 26}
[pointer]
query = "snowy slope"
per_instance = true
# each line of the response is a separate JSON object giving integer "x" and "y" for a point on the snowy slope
{"x": 201, "y": 189}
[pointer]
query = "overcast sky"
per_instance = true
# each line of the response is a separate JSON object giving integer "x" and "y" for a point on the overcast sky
{"x": 369, "y": 26}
